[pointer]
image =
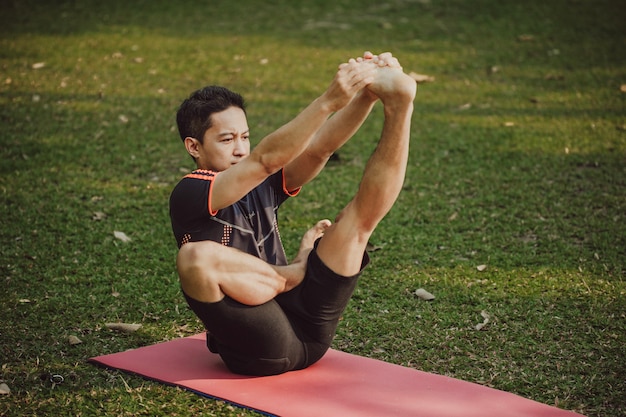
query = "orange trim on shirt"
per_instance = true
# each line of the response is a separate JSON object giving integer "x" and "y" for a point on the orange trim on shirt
{"x": 202, "y": 174}
{"x": 290, "y": 193}
{"x": 206, "y": 175}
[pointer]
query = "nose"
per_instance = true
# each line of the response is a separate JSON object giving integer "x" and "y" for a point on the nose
{"x": 240, "y": 148}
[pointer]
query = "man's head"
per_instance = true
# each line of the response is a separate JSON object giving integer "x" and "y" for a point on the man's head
{"x": 217, "y": 115}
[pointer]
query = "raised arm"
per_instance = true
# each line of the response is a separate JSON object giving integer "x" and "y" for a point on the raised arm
{"x": 337, "y": 130}
{"x": 333, "y": 134}
{"x": 279, "y": 148}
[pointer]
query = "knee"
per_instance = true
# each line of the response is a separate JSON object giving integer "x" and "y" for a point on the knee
{"x": 193, "y": 263}
{"x": 188, "y": 256}
{"x": 194, "y": 255}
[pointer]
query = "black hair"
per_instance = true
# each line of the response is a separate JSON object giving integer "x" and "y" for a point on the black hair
{"x": 194, "y": 114}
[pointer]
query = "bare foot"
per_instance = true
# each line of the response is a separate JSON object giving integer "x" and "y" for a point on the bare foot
{"x": 391, "y": 84}
{"x": 311, "y": 235}
{"x": 294, "y": 272}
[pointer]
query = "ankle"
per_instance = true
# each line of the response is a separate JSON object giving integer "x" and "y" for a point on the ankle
{"x": 398, "y": 108}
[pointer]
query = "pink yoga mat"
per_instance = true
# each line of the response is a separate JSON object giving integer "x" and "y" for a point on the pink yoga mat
{"x": 340, "y": 384}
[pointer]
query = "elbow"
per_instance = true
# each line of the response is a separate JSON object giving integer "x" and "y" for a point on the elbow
{"x": 270, "y": 164}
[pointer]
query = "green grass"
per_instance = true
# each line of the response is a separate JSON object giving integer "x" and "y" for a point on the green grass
{"x": 518, "y": 163}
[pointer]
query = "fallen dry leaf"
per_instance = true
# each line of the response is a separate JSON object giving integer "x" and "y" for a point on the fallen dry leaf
{"x": 121, "y": 236}
{"x": 73, "y": 340}
{"x": 623, "y": 88}
{"x": 485, "y": 317}
{"x": 453, "y": 216}
{"x": 39, "y": 65}
{"x": 424, "y": 295}
{"x": 123, "y": 327}
{"x": 4, "y": 389}
{"x": 481, "y": 268}
{"x": 421, "y": 78}
{"x": 98, "y": 215}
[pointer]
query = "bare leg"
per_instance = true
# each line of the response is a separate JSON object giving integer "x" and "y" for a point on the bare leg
{"x": 343, "y": 245}
{"x": 208, "y": 271}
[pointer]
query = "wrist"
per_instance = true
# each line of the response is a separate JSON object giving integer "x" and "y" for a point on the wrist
{"x": 326, "y": 105}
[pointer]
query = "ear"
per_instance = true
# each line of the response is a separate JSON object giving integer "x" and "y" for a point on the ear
{"x": 192, "y": 145}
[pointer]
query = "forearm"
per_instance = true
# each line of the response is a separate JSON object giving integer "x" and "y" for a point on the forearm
{"x": 208, "y": 271}
{"x": 283, "y": 145}
{"x": 342, "y": 126}
{"x": 332, "y": 135}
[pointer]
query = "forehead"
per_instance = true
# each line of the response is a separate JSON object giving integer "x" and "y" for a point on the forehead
{"x": 233, "y": 119}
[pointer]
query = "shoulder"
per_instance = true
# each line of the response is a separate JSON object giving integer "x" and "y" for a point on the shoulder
{"x": 192, "y": 184}
{"x": 199, "y": 177}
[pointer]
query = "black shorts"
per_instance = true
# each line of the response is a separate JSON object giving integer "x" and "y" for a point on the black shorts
{"x": 290, "y": 332}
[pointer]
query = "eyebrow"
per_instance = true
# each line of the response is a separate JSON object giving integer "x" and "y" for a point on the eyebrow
{"x": 232, "y": 133}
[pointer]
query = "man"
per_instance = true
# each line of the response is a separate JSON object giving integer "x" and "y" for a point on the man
{"x": 265, "y": 316}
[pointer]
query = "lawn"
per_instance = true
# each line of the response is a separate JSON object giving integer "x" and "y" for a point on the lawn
{"x": 514, "y": 205}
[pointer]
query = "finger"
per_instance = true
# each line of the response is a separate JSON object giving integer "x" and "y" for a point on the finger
{"x": 349, "y": 73}
{"x": 385, "y": 56}
{"x": 388, "y": 60}
{"x": 363, "y": 77}
{"x": 384, "y": 59}
{"x": 393, "y": 63}
{"x": 361, "y": 69}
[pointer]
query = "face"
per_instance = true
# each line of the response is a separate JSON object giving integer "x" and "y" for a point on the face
{"x": 225, "y": 143}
